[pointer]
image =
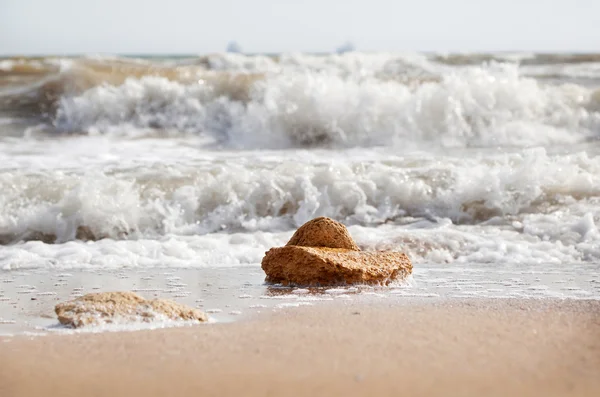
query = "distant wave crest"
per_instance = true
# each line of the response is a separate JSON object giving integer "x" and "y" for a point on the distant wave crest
{"x": 477, "y": 106}
{"x": 296, "y": 100}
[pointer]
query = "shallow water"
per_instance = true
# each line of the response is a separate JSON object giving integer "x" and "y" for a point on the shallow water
{"x": 27, "y": 298}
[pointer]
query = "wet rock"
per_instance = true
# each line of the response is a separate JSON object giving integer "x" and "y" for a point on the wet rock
{"x": 322, "y": 252}
{"x": 111, "y": 307}
{"x": 333, "y": 266}
{"x": 323, "y": 232}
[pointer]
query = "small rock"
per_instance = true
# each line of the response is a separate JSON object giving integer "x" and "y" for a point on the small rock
{"x": 109, "y": 307}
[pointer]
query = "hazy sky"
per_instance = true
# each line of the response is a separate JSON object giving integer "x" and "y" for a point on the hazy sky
{"x": 186, "y": 26}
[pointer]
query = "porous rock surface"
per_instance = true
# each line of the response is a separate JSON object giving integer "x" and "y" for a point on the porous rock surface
{"x": 109, "y": 307}
{"x": 322, "y": 252}
{"x": 323, "y": 232}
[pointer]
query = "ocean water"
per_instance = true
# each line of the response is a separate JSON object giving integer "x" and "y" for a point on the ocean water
{"x": 482, "y": 164}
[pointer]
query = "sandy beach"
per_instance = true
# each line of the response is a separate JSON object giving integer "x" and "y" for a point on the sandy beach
{"x": 450, "y": 347}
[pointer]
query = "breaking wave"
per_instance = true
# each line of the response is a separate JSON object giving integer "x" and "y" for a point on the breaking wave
{"x": 482, "y": 106}
{"x": 58, "y": 206}
{"x": 349, "y": 100}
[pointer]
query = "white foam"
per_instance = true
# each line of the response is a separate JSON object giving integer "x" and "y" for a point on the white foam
{"x": 125, "y": 326}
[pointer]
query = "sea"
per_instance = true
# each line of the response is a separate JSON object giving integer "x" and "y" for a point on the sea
{"x": 172, "y": 175}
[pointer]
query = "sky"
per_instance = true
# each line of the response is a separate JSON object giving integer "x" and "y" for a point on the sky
{"x": 53, "y": 27}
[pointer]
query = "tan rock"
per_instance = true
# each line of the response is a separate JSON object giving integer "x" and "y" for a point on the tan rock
{"x": 322, "y": 252}
{"x": 333, "y": 266}
{"x": 323, "y": 232}
{"x": 109, "y": 307}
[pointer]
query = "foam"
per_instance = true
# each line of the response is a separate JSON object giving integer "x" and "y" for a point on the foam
{"x": 118, "y": 325}
{"x": 251, "y": 194}
{"x": 550, "y": 241}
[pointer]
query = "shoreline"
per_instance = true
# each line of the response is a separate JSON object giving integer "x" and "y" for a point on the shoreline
{"x": 457, "y": 347}
{"x": 228, "y": 294}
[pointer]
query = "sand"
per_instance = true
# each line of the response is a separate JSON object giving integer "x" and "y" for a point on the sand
{"x": 470, "y": 347}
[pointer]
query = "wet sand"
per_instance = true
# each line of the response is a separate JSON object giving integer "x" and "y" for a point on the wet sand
{"x": 469, "y": 347}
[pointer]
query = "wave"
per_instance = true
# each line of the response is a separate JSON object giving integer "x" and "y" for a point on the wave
{"x": 222, "y": 196}
{"x": 296, "y": 100}
{"x": 479, "y": 106}
{"x": 33, "y": 87}
{"x": 72, "y": 76}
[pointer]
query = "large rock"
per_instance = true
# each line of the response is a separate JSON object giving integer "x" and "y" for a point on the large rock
{"x": 333, "y": 266}
{"x": 322, "y": 252}
{"x": 110, "y": 307}
{"x": 323, "y": 232}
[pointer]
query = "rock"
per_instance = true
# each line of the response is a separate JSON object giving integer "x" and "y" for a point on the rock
{"x": 109, "y": 307}
{"x": 322, "y": 252}
{"x": 323, "y": 232}
{"x": 333, "y": 266}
